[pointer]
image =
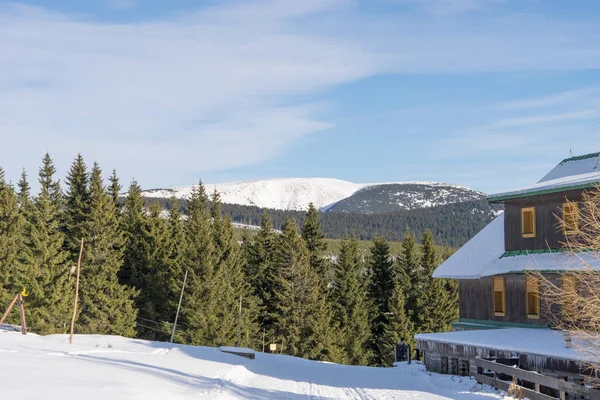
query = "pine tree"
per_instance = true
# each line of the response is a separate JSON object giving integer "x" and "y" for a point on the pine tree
{"x": 413, "y": 289}
{"x": 198, "y": 315}
{"x": 132, "y": 219}
{"x": 400, "y": 326}
{"x": 315, "y": 242}
{"x": 76, "y": 206}
{"x": 350, "y": 305}
{"x": 24, "y": 193}
{"x": 440, "y": 295}
{"x": 381, "y": 287}
{"x": 114, "y": 189}
{"x": 262, "y": 272}
{"x": 155, "y": 297}
{"x": 303, "y": 319}
{"x": 46, "y": 263}
{"x": 106, "y": 307}
{"x": 11, "y": 238}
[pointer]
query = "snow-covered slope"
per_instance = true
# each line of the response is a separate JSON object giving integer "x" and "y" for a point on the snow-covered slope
{"x": 108, "y": 367}
{"x": 298, "y": 193}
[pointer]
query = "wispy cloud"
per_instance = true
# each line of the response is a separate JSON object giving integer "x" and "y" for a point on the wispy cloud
{"x": 551, "y": 100}
{"x": 234, "y": 84}
{"x": 550, "y": 118}
{"x": 122, "y": 4}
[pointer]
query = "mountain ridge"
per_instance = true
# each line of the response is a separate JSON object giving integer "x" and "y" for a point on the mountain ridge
{"x": 327, "y": 194}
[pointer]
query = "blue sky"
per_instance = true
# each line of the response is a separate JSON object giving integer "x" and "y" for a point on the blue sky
{"x": 489, "y": 94}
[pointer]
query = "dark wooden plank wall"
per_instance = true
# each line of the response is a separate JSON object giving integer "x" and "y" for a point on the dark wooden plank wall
{"x": 548, "y": 231}
{"x": 475, "y": 300}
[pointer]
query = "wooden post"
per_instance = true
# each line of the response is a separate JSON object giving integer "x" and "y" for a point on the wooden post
{"x": 76, "y": 292}
{"x": 263, "y": 340}
{"x": 239, "y": 332}
{"x": 178, "y": 307}
{"x": 22, "y": 308}
{"x": 12, "y": 303}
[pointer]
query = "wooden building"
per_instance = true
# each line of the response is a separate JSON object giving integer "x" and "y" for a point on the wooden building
{"x": 494, "y": 289}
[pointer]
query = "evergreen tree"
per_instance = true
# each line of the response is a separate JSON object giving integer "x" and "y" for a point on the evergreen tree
{"x": 46, "y": 263}
{"x": 11, "y": 238}
{"x": 24, "y": 193}
{"x": 400, "y": 326}
{"x": 155, "y": 298}
{"x": 132, "y": 220}
{"x": 414, "y": 293}
{"x": 262, "y": 272}
{"x": 350, "y": 305}
{"x": 114, "y": 188}
{"x": 440, "y": 295}
{"x": 106, "y": 306}
{"x": 381, "y": 287}
{"x": 198, "y": 314}
{"x": 303, "y": 318}
{"x": 315, "y": 242}
{"x": 76, "y": 206}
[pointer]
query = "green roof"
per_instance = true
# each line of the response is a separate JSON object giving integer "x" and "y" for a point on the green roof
{"x": 542, "y": 191}
{"x": 582, "y": 157}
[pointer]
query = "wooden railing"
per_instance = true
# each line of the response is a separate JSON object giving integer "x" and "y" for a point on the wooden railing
{"x": 538, "y": 380}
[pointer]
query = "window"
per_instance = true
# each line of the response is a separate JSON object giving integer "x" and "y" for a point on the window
{"x": 569, "y": 297}
{"x": 533, "y": 297}
{"x": 528, "y": 222}
{"x": 499, "y": 296}
{"x": 570, "y": 218}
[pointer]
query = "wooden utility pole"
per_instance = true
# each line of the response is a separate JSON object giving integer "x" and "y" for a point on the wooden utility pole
{"x": 239, "y": 342}
{"x": 22, "y": 309}
{"x": 76, "y": 292}
{"x": 12, "y": 303}
{"x": 178, "y": 308}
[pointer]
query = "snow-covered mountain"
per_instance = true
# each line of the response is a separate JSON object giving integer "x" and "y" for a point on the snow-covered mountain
{"x": 331, "y": 194}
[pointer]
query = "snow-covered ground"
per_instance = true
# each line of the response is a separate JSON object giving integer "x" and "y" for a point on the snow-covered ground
{"x": 110, "y": 367}
{"x": 286, "y": 193}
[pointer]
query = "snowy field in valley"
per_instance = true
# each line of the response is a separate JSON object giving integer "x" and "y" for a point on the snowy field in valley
{"x": 110, "y": 367}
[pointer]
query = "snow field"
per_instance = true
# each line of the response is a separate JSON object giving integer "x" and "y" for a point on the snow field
{"x": 110, "y": 367}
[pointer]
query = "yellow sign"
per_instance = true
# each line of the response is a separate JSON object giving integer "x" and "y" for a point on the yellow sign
{"x": 273, "y": 347}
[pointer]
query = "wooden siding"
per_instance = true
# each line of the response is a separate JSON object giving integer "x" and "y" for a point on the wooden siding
{"x": 475, "y": 300}
{"x": 549, "y": 233}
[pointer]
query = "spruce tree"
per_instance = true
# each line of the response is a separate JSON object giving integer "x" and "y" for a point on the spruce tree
{"x": 132, "y": 219}
{"x": 262, "y": 272}
{"x": 115, "y": 189}
{"x": 11, "y": 239}
{"x": 303, "y": 318}
{"x": 350, "y": 305}
{"x": 24, "y": 193}
{"x": 315, "y": 242}
{"x": 440, "y": 295}
{"x": 400, "y": 326}
{"x": 46, "y": 263}
{"x": 76, "y": 206}
{"x": 155, "y": 297}
{"x": 197, "y": 314}
{"x": 106, "y": 307}
{"x": 381, "y": 287}
{"x": 410, "y": 266}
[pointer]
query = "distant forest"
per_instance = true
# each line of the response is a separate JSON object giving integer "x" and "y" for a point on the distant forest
{"x": 451, "y": 224}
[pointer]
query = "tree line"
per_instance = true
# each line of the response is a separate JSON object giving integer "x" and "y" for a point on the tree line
{"x": 450, "y": 224}
{"x": 347, "y": 308}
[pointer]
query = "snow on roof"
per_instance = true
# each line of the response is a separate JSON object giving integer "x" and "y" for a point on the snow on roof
{"x": 572, "y": 173}
{"x": 484, "y": 255}
{"x": 544, "y": 342}
{"x": 574, "y": 166}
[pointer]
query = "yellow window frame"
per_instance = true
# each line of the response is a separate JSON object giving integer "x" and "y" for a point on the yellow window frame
{"x": 499, "y": 286}
{"x": 532, "y": 287}
{"x": 525, "y": 211}
{"x": 571, "y": 208}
